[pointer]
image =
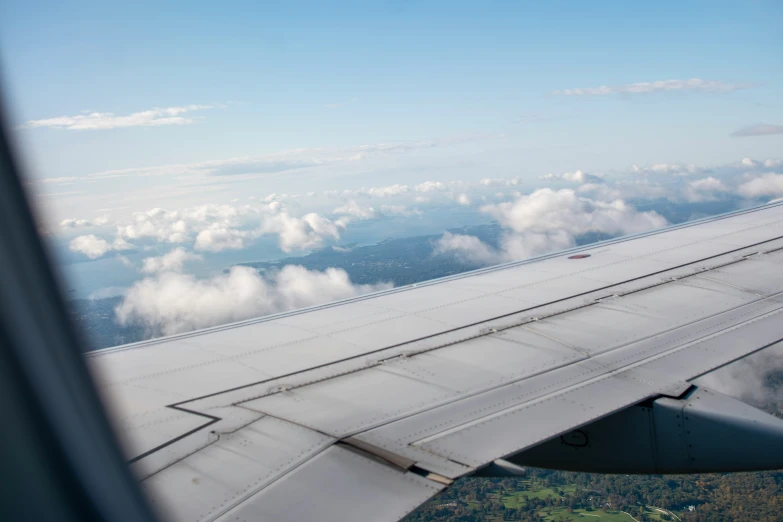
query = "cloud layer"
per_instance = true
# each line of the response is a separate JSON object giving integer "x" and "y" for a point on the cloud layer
{"x": 236, "y": 225}
{"x": 761, "y": 129}
{"x": 577, "y": 176}
{"x": 769, "y": 184}
{"x": 174, "y": 261}
{"x": 108, "y": 120}
{"x": 299, "y": 233}
{"x": 251, "y": 165}
{"x": 95, "y": 247}
{"x": 694, "y": 85}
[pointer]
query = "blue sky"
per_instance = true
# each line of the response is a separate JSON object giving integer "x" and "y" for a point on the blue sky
{"x": 464, "y": 90}
{"x": 400, "y": 70}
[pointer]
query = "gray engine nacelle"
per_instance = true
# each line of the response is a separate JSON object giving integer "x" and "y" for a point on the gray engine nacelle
{"x": 705, "y": 431}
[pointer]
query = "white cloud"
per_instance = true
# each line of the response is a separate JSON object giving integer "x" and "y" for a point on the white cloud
{"x": 215, "y": 228}
{"x": 575, "y": 177}
{"x": 749, "y": 378}
{"x": 513, "y": 247}
{"x": 157, "y": 223}
{"x": 352, "y": 208}
{"x": 581, "y": 177}
{"x": 769, "y": 184}
{"x": 546, "y": 221}
{"x": 273, "y": 197}
{"x": 218, "y": 237}
{"x": 545, "y": 210}
{"x": 61, "y": 180}
{"x": 668, "y": 168}
{"x": 462, "y": 199}
{"x": 182, "y": 226}
{"x": 299, "y": 233}
{"x": 748, "y": 164}
{"x": 468, "y": 249}
{"x": 108, "y": 120}
{"x": 384, "y": 192}
{"x": 706, "y": 189}
{"x": 715, "y": 182}
{"x": 693, "y": 85}
{"x": 173, "y": 302}
{"x": 600, "y": 191}
{"x": 173, "y": 261}
{"x": 91, "y": 246}
{"x": 84, "y": 223}
{"x": 95, "y": 247}
{"x": 372, "y": 192}
{"x": 761, "y": 129}
{"x": 271, "y": 163}
{"x": 531, "y": 244}
{"x": 119, "y": 244}
{"x": 708, "y": 184}
{"x": 625, "y": 189}
{"x": 494, "y": 182}
{"x": 273, "y": 207}
{"x": 431, "y": 186}
{"x": 221, "y": 213}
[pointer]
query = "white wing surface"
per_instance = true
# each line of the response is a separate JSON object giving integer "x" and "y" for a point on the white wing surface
{"x": 363, "y": 409}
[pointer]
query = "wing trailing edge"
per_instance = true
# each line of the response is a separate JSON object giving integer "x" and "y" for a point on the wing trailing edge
{"x": 703, "y": 432}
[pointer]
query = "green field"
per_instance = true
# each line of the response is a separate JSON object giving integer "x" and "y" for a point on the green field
{"x": 535, "y": 490}
{"x": 597, "y": 515}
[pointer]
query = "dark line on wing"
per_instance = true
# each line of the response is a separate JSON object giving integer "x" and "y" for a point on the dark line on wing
{"x": 212, "y": 421}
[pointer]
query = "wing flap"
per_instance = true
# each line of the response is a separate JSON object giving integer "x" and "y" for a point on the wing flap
{"x": 338, "y": 485}
{"x": 502, "y": 433}
{"x": 232, "y": 469}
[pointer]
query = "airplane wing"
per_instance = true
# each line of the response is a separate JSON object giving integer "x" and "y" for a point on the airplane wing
{"x": 365, "y": 408}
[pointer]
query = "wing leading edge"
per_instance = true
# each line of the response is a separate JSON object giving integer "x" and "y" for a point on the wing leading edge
{"x": 370, "y": 406}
